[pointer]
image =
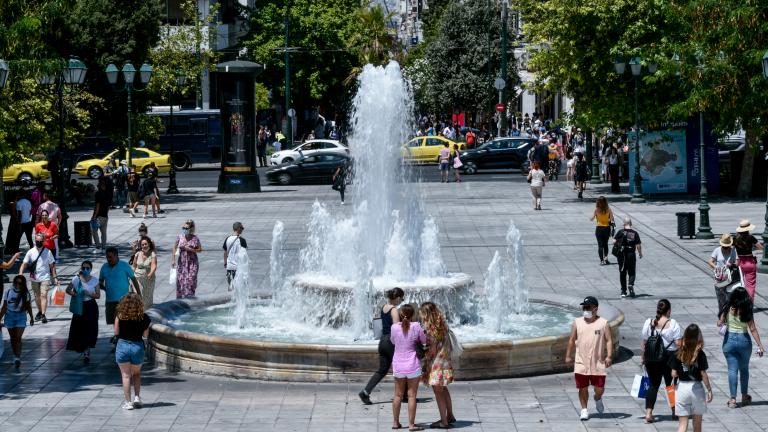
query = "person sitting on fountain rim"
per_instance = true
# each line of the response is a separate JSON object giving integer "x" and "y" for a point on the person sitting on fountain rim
{"x": 591, "y": 336}
{"x": 389, "y": 316}
{"x": 231, "y": 249}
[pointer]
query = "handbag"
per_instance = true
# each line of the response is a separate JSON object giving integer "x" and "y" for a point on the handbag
{"x": 58, "y": 296}
{"x": 640, "y": 385}
{"x": 456, "y": 348}
{"x": 173, "y": 275}
{"x": 377, "y": 327}
{"x": 457, "y": 162}
{"x": 420, "y": 351}
{"x": 76, "y": 301}
{"x": 618, "y": 247}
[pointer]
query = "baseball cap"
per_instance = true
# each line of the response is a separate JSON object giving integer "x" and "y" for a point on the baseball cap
{"x": 589, "y": 301}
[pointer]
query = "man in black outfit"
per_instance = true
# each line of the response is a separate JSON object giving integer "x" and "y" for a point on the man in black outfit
{"x": 628, "y": 241}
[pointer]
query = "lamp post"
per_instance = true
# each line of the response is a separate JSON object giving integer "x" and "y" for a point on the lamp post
{"x": 636, "y": 67}
{"x": 705, "y": 231}
{"x": 4, "y": 72}
{"x": 72, "y": 73}
{"x": 129, "y": 74}
{"x": 180, "y": 80}
{"x": 763, "y": 267}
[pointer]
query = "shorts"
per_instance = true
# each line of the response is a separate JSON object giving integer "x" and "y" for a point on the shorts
{"x": 444, "y": 166}
{"x": 133, "y": 197}
{"x": 411, "y": 375}
{"x": 15, "y": 319}
{"x": 110, "y": 312}
{"x": 41, "y": 288}
{"x": 583, "y": 381}
{"x": 149, "y": 197}
{"x": 129, "y": 352}
{"x": 690, "y": 399}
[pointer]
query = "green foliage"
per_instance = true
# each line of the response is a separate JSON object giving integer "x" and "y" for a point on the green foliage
{"x": 371, "y": 40}
{"x": 262, "y": 96}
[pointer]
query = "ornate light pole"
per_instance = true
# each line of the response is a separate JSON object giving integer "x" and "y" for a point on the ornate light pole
{"x": 4, "y": 72}
{"x": 763, "y": 267}
{"x": 72, "y": 73}
{"x": 636, "y": 67}
{"x": 129, "y": 74}
{"x": 180, "y": 80}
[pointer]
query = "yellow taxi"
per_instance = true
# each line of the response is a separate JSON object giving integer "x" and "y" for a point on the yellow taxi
{"x": 26, "y": 172}
{"x": 426, "y": 149}
{"x": 141, "y": 158}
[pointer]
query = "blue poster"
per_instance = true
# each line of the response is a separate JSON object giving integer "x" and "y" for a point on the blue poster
{"x": 663, "y": 161}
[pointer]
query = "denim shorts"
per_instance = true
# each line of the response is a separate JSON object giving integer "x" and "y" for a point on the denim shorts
{"x": 129, "y": 352}
{"x": 444, "y": 166}
{"x": 408, "y": 375}
{"x": 15, "y": 319}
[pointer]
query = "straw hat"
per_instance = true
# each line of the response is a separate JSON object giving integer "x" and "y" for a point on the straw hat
{"x": 726, "y": 240}
{"x": 745, "y": 226}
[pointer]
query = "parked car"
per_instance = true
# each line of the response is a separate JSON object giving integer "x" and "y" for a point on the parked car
{"x": 308, "y": 148}
{"x": 140, "y": 158}
{"x": 498, "y": 153}
{"x": 318, "y": 167}
{"x": 426, "y": 149}
{"x": 26, "y": 172}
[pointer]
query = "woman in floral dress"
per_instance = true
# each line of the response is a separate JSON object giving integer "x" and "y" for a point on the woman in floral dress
{"x": 188, "y": 246}
{"x": 438, "y": 367}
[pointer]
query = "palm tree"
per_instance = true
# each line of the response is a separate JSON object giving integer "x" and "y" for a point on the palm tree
{"x": 373, "y": 40}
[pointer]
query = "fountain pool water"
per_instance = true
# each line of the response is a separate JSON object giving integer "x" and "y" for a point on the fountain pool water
{"x": 317, "y": 323}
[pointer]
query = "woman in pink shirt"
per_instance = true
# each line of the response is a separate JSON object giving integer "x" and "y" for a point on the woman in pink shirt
{"x": 406, "y": 365}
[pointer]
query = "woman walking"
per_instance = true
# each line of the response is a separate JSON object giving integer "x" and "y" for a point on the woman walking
{"x": 737, "y": 345}
{"x": 745, "y": 243}
{"x": 16, "y": 303}
{"x": 389, "y": 316}
{"x": 537, "y": 179}
{"x": 84, "y": 328}
{"x": 133, "y": 192}
{"x": 604, "y": 217}
{"x": 340, "y": 179}
{"x": 690, "y": 367}
{"x": 188, "y": 246}
{"x": 145, "y": 268}
{"x": 665, "y": 336}
{"x": 437, "y": 362}
{"x": 406, "y": 367}
{"x": 722, "y": 261}
{"x": 614, "y": 163}
{"x": 50, "y": 230}
{"x": 151, "y": 194}
{"x": 581, "y": 174}
{"x": 131, "y": 326}
{"x": 456, "y": 164}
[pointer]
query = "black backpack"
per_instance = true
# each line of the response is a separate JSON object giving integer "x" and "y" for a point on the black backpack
{"x": 655, "y": 351}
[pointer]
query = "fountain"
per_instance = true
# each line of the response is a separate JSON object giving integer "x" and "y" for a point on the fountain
{"x": 317, "y": 324}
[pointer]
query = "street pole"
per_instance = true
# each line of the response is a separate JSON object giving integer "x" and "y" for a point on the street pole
{"x": 130, "y": 142}
{"x": 64, "y": 241}
{"x": 289, "y": 120}
{"x": 502, "y": 93}
{"x": 763, "y": 267}
{"x": 705, "y": 231}
{"x": 172, "y": 188}
{"x": 637, "y": 195}
{"x": 595, "y": 163}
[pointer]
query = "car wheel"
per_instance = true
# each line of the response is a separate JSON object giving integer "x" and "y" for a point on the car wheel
{"x": 287, "y": 160}
{"x": 181, "y": 161}
{"x": 284, "y": 179}
{"x": 25, "y": 178}
{"x": 470, "y": 167}
{"x": 95, "y": 172}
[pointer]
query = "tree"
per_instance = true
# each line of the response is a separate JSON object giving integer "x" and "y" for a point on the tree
{"x": 371, "y": 39}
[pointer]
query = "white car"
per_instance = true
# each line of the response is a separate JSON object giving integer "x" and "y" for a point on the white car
{"x": 309, "y": 147}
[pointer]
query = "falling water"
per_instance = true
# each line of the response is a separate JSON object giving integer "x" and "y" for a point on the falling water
{"x": 277, "y": 261}
{"x": 242, "y": 289}
{"x": 505, "y": 283}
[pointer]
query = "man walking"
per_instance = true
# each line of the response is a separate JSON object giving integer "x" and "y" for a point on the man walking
{"x": 591, "y": 336}
{"x": 114, "y": 279}
{"x": 630, "y": 248}
{"x": 231, "y": 247}
{"x": 24, "y": 216}
{"x": 41, "y": 265}
{"x": 100, "y": 217}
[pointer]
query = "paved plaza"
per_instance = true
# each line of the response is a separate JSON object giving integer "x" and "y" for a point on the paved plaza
{"x": 54, "y": 391}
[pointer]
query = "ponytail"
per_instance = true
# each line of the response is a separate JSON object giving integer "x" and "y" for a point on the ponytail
{"x": 662, "y": 308}
{"x": 406, "y": 315}
{"x": 405, "y": 323}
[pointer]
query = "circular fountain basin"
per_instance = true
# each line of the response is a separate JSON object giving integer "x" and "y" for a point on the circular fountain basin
{"x": 332, "y": 360}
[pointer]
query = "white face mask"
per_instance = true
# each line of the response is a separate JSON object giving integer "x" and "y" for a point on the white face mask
{"x": 588, "y": 314}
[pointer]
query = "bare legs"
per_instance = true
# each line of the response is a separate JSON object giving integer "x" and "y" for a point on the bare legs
{"x": 15, "y": 334}
{"x": 413, "y": 387}
{"x": 683, "y": 426}
{"x": 130, "y": 373}
{"x": 444, "y": 404}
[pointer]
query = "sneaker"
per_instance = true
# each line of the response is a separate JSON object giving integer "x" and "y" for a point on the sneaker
{"x": 144, "y": 216}
{"x": 599, "y": 405}
{"x": 623, "y": 294}
{"x": 86, "y": 359}
{"x": 96, "y": 251}
{"x": 127, "y": 405}
{"x": 38, "y": 316}
{"x": 44, "y": 320}
{"x": 365, "y": 398}
{"x": 584, "y": 415}
{"x": 137, "y": 402}
{"x": 130, "y": 210}
{"x": 607, "y": 262}
{"x": 17, "y": 363}
{"x": 632, "y": 292}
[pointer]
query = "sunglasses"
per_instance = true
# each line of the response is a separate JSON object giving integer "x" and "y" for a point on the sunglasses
{"x": 85, "y": 268}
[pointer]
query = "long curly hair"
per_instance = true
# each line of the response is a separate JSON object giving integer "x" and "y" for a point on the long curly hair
{"x": 434, "y": 321}
{"x": 130, "y": 308}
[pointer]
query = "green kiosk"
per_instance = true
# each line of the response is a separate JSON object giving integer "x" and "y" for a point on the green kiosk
{"x": 235, "y": 82}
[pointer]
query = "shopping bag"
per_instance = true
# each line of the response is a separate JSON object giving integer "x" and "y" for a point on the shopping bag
{"x": 640, "y": 386}
{"x": 58, "y": 296}
{"x": 172, "y": 277}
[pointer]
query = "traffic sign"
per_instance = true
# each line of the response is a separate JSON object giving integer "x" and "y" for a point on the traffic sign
{"x": 500, "y": 107}
{"x": 499, "y": 84}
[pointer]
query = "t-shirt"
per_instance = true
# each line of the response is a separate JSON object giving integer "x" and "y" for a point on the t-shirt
{"x": 690, "y": 372}
{"x": 49, "y": 231}
{"x": 132, "y": 330}
{"x": 115, "y": 279}
{"x": 104, "y": 200}
{"x": 232, "y": 246}
{"x": 42, "y": 270}
{"x": 14, "y": 300}
{"x": 629, "y": 238}
{"x": 590, "y": 346}
{"x": 745, "y": 245}
{"x": 24, "y": 207}
{"x": 669, "y": 334}
{"x": 537, "y": 177}
{"x": 445, "y": 155}
{"x": 720, "y": 259}
{"x": 149, "y": 186}
{"x": 54, "y": 213}
{"x": 404, "y": 360}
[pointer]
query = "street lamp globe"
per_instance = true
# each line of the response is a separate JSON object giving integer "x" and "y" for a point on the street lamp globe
{"x": 45, "y": 79}
{"x": 112, "y": 72}
{"x": 619, "y": 65}
{"x": 676, "y": 61}
{"x": 635, "y": 66}
{"x": 145, "y": 73}
{"x": 764, "y": 61}
{"x": 181, "y": 79}
{"x": 75, "y": 71}
{"x": 129, "y": 73}
{"x": 4, "y": 72}
{"x": 652, "y": 67}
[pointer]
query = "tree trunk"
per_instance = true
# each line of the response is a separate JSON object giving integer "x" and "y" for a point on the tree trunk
{"x": 748, "y": 166}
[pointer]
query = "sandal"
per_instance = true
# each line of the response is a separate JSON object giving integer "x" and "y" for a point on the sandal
{"x": 746, "y": 400}
{"x": 451, "y": 420}
{"x": 732, "y": 403}
{"x": 649, "y": 420}
{"x": 416, "y": 428}
{"x": 397, "y": 426}
{"x": 438, "y": 425}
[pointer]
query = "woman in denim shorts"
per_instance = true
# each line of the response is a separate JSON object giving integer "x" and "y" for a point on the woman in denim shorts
{"x": 131, "y": 326}
{"x": 406, "y": 336}
{"x": 16, "y": 303}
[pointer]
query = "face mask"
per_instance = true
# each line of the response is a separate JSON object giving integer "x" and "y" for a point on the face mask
{"x": 185, "y": 231}
{"x": 85, "y": 272}
{"x": 588, "y": 314}
{"x": 38, "y": 244}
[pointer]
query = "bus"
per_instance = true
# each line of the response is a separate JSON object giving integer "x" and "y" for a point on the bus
{"x": 196, "y": 135}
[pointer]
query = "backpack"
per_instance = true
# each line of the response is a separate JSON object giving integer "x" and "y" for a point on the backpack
{"x": 655, "y": 350}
